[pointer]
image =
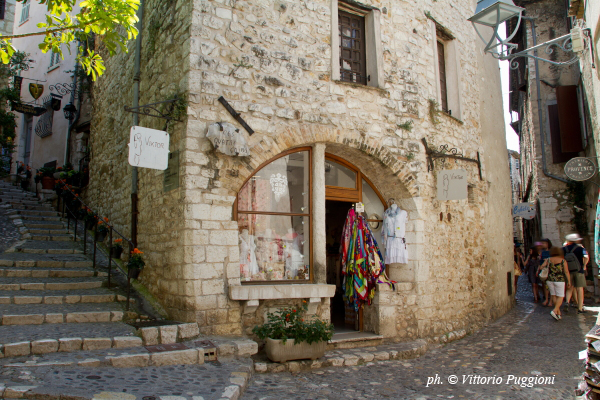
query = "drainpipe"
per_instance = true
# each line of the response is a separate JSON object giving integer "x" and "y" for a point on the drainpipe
{"x": 136, "y": 103}
{"x": 539, "y": 101}
{"x": 74, "y": 121}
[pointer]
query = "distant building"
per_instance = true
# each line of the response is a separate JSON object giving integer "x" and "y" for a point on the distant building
{"x": 515, "y": 181}
{"x": 7, "y": 16}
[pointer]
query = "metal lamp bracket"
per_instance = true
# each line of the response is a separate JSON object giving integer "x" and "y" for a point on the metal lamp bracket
{"x": 445, "y": 152}
{"x": 152, "y": 110}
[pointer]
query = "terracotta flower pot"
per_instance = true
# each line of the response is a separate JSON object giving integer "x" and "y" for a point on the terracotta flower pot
{"x": 277, "y": 351}
{"x": 115, "y": 252}
{"x": 47, "y": 183}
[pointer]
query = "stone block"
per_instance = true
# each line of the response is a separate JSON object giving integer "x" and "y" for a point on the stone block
{"x": 29, "y": 319}
{"x": 69, "y": 344}
{"x": 168, "y": 334}
{"x": 121, "y": 342}
{"x": 4, "y": 300}
{"x": 53, "y": 299}
{"x": 225, "y": 349}
{"x": 129, "y": 361}
{"x": 246, "y": 348}
{"x": 116, "y": 316}
{"x": 72, "y": 299}
{"x": 98, "y": 298}
{"x": 350, "y": 360}
{"x": 96, "y": 343}
{"x": 180, "y": 357}
{"x": 89, "y": 362}
{"x": 366, "y": 357}
{"x": 44, "y": 346}
{"x": 149, "y": 336}
{"x": 262, "y": 367}
{"x": 32, "y": 286}
{"x": 100, "y": 316}
{"x": 17, "y": 349}
{"x": 336, "y": 361}
{"x": 28, "y": 299}
{"x": 188, "y": 331}
{"x": 17, "y": 392}
{"x": 54, "y": 318}
{"x": 382, "y": 356}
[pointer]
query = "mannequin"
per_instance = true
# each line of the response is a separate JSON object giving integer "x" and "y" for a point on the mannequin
{"x": 249, "y": 266}
{"x": 394, "y": 234}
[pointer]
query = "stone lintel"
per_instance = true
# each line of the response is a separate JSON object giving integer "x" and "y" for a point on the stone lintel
{"x": 274, "y": 292}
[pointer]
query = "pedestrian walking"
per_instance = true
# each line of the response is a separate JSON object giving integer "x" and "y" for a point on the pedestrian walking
{"x": 518, "y": 266}
{"x": 558, "y": 278}
{"x": 531, "y": 269}
{"x": 577, "y": 259}
{"x": 543, "y": 247}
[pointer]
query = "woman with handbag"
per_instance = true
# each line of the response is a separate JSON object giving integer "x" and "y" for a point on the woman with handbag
{"x": 558, "y": 277}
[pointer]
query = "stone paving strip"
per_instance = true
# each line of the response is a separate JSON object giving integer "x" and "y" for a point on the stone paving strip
{"x": 67, "y": 299}
{"x": 30, "y": 333}
{"x": 56, "y": 283}
{"x": 50, "y": 273}
{"x": 45, "y": 247}
{"x": 208, "y": 381}
{"x": 44, "y": 260}
{"x": 37, "y": 314}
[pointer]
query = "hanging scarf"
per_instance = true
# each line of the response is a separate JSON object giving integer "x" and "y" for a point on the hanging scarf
{"x": 597, "y": 232}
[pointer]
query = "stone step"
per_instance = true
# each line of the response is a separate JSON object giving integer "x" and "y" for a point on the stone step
{"x": 36, "y": 218}
{"x": 352, "y": 340}
{"x": 48, "y": 247}
{"x": 51, "y": 232}
{"x": 30, "y": 207}
{"x": 44, "y": 260}
{"x": 53, "y": 238}
{"x": 30, "y": 225}
{"x": 49, "y": 273}
{"x": 37, "y": 314}
{"x": 17, "y": 333}
{"x": 53, "y": 284}
{"x": 101, "y": 295}
{"x": 35, "y": 213}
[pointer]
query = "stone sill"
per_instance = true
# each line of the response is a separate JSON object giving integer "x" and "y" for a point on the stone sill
{"x": 451, "y": 117}
{"x": 272, "y": 292}
{"x": 360, "y": 86}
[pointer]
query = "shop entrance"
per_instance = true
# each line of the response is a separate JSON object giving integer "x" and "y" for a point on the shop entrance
{"x": 345, "y": 185}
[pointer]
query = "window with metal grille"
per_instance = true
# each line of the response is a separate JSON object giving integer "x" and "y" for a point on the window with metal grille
{"x": 442, "y": 74}
{"x": 352, "y": 48}
{"x": 25, "y": 11}
{"x": 54, "y": 59}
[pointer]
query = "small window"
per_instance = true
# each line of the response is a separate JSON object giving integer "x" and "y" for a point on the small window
{"x": 2, "y": 8}
{"x": 352, "y": 48}
{"x": 25, "y": 11}
{"x": 54, "y": 59}
{"x": 274, "y": 219}
{"x": 442, "y": 76}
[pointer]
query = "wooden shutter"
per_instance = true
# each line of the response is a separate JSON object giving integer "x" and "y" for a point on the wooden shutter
{"x": 558, "y": 156}
{"x": 2, "y": 8}
{"x": 353, "y": 64}
{"x": 569, "y": 119}
{"x": 442, "y": 73}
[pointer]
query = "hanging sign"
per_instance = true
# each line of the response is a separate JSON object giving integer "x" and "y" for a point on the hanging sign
{"x": 228, "y": 139}
{"x": 524, "y": 210}
{"x": 36, "y": 90}
{"x": 360, "y": 207}
{"x": 27, "y": 108}
{"x": 564, "y": 214}
{"x": 18, "y": 83}
{"x": 452, "y": 184}
{"x": 580, "y": 169}
{"x": 148, "y": 148}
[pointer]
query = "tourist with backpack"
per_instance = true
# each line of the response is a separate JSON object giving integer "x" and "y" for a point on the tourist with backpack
{"x": 577, "y": 258}
{"x": 558, "y": 278}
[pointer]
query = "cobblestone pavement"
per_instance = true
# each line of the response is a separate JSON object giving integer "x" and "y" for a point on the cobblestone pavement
{"x": 9, "y": 233}
{"x": 524, "y": 343}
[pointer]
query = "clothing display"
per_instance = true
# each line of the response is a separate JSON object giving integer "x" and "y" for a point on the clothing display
{"x": 394, "y": 235}
{"x": 361, "y": 262}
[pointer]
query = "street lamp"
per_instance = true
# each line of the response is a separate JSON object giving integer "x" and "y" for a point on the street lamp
{"x": 70, "y": 111}
{"x": 493, "y": 13}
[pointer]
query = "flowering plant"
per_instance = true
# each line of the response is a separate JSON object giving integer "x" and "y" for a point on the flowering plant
{"x": 135, "y": 260}
{"x": 102, "y": 226}
{"x": 288, "y": 323}
{"x": 118, "y": 244}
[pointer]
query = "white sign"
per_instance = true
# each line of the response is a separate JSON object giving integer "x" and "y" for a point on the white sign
{"x": 360, "y": 207}
{"x": 148, "y": 148}
{"x": 452, "y": 184}
{"x": 228, "y": 139}
{"x": 524, "y": 210}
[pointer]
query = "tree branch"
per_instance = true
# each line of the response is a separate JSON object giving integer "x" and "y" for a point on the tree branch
{"x": 49, "y": 31}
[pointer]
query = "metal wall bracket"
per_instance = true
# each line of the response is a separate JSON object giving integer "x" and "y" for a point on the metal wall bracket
{"x": 235, "y": 115}
{"x": 152, "y": 110}
{"x": 445, "y": 152}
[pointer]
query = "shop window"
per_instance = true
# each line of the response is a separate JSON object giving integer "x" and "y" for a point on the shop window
{"x": 356, "y": 44}
{"x": 274, "y": 217}
{"x": 25, "y": 11}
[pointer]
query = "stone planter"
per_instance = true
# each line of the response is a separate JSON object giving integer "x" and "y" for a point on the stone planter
{"x": 279, "y": 352}
{"x": 47, "y": 183}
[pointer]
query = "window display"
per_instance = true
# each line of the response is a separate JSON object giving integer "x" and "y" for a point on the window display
{"x": 274, "y": 221}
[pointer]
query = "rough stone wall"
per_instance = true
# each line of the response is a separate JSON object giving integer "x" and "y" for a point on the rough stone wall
{"x": 550, "y": 22}
{"x": 165, "y": 49}
{"x": 6, "y": 24}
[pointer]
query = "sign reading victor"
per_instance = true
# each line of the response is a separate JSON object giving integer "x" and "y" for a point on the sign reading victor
{"x": 524, "y": 210}
{"x": 580, "y": 169}
{"x": 228, "y": 139}
{"x": 452, "y": 184}
{"x": 148, "y": 148}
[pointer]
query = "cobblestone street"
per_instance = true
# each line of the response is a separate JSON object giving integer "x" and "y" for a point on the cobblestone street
{"x": 523, "y": 343}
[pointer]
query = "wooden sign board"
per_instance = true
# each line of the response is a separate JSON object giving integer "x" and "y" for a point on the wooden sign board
{"x": 148, "y": 148}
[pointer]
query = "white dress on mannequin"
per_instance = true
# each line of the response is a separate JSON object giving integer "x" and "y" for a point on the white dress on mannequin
{"x": 394, "y": 233}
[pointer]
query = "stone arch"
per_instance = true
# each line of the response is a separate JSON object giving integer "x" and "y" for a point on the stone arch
{"x": 338, "y": 142}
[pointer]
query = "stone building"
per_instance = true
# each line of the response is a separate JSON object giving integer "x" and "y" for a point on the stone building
{"x": 552, "y": 130}
{"x": 7, "y": 17}
{"x": 514, "y": 167}
{"x": 340, "y": 96}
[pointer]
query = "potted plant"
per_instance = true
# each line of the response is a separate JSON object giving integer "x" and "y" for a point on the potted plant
{"x": 47, "y": 177}
{"x": 289, "y": 337}
{"x": 101, "y": 230}
{"x": 89, "y": 219}
{"x": 116, "y": 249}
{"x": 135, "y": 265}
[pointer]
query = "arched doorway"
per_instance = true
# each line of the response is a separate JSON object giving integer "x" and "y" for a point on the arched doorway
{"x": 345, "y": 185}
